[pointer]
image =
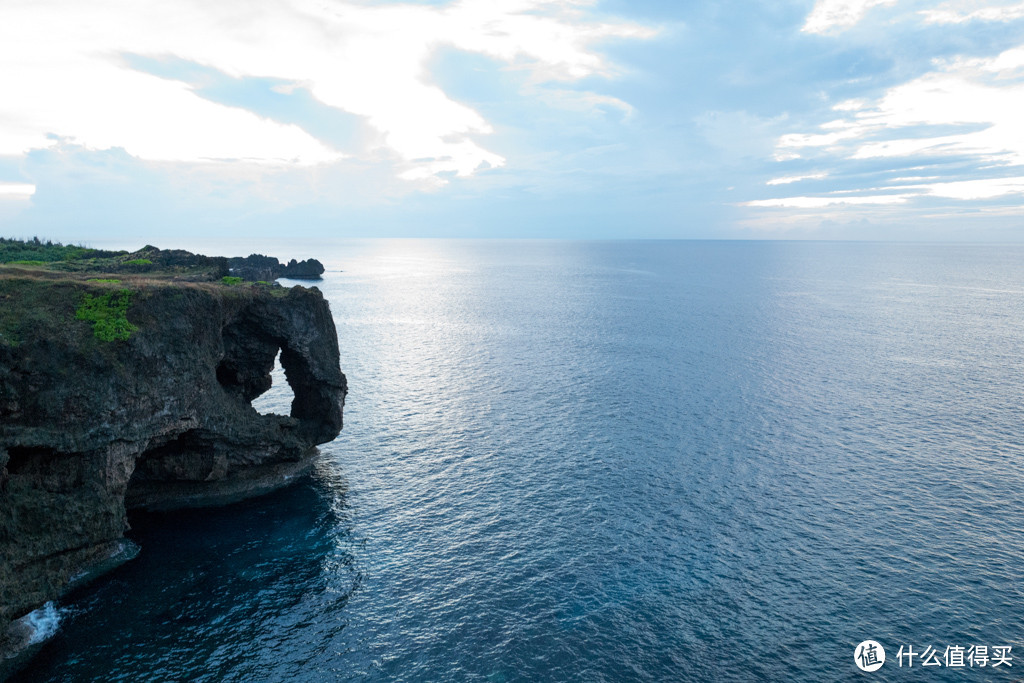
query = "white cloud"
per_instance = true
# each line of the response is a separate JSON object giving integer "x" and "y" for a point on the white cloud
{"x": 16, "y": 190}
{"x": 962, "y": 118}
{"x": 961, "y": 12}
{"x": 831, "y": 200}
{"x": 833, "y": 15}
{"x": 1007, "y": 63}
{"x": 985, "y": 188}
{"x": 797, "y": 140}
{"x": 962, "y": 95}
{"x": 964, "y": 109}
{"x": 62, "y": 72}
{"x": 786, "y": 180}
{"x": 850, "y": 105}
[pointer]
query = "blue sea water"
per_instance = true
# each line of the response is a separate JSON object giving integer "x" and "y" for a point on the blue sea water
{"x": 614, "y": 461}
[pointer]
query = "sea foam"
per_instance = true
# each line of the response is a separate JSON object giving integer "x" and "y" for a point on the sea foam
{"x": 43, "y": 623}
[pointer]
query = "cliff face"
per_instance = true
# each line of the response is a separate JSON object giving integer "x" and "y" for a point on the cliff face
{"x": 162, "y": 419}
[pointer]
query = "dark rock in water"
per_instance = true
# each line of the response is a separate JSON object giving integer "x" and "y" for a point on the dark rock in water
{"x": 159, "y": 420}
{"x": 310, "y": 269}
{"x": 257, "y": 267}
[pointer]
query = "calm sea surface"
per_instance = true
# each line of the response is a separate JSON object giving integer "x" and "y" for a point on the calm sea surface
{"x": 614, "y": 461}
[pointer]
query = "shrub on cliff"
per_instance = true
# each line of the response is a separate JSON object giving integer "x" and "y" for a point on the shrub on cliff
{"x": 38, "y": 251}
{"x": 108, "y": 314}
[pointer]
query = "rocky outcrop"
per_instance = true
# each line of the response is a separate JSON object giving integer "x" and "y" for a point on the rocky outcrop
{"x": 89, "y": 428}
{"x": 257, "y": 267}
{"x": 310, "y": 269}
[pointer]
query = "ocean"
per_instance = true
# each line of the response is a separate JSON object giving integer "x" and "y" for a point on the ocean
{"x": 616, "y": 461}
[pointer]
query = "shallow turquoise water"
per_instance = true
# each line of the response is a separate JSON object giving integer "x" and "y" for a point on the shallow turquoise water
{"x": 614, "y": 461}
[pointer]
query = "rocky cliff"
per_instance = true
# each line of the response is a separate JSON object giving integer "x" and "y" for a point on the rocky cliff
{"x": 259, "y": 267}
{"x": 131, "y": 392}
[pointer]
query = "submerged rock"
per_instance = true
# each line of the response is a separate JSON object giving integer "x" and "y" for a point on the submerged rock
{"x": 161, "y": 419}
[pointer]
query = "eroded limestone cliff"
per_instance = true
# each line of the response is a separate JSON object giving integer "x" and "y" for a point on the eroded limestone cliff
{"x": 91, "y": 427}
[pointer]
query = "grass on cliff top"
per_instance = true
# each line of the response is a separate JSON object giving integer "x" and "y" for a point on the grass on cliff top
{"x": 56, "y": 257}
{"x": 37, "y": 252}
{"x": 51, "y": 292}
{"x": 39, "y": 306}
{"x": 37, "y": 310}
{"x": 36, "y": 258}
{"x": 61, "y": 311}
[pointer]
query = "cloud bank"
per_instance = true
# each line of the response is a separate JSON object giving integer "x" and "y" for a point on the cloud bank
{"x": 950, "y": 135}
{"x": 68, "y": 73}
{"x": 570, "y": 118}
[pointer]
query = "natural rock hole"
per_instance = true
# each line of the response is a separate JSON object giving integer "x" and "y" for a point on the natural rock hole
{"x": 249, "y": 359}
{"x": 278, "y": 399}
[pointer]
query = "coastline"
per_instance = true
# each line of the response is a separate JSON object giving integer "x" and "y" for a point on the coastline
{"x": 126, "y": 382}
{"x": 28, "y": 634}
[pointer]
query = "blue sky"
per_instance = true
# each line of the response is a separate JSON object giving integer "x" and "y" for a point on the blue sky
{"x": 827, "y": 119}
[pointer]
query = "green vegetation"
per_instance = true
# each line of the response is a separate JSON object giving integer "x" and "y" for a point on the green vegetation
{"x": 37, "y": 252}
{"x": 108, "y": 314}
{"x": 46, "y": 287}
{"x": 56, "y": 257}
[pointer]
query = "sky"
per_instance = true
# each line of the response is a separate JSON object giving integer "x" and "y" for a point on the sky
{"x": 810, "y": 119}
